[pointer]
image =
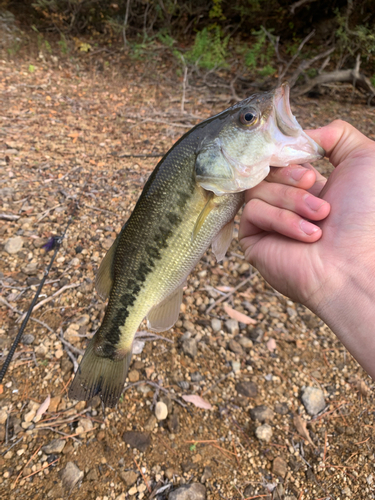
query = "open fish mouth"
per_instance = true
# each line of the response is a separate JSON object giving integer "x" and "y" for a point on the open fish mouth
{"x": 289, "y": 126}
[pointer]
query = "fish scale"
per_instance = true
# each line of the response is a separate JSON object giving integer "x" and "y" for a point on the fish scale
{"x": 189, "y": 201}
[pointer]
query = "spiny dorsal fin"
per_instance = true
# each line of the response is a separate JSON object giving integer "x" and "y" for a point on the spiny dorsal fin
{"x": 104, "y": 278}
{"x": 164, "y": 315}
{"x": 203, "y": 215}
{"x": 222, "y": 240}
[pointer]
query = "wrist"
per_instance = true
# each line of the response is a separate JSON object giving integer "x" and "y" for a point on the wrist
{"x": 346, "y": 305}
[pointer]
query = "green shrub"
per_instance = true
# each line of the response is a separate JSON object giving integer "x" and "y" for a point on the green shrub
{"x": 210, "y": 49}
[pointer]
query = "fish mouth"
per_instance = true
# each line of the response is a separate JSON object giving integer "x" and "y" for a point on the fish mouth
{"x": 289, "y": 126}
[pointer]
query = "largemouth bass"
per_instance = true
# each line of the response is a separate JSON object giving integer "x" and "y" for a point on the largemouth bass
{"x": 189, "y": 202}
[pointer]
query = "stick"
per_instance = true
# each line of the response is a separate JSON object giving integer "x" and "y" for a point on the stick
{"x": 224, "y": 297}
{"x": 144, "y": 479}
{"x": 48, "y": 299}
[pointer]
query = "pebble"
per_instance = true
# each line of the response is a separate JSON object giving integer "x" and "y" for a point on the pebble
{"x": 138, "y": 440}
{"x": 264, "y": 432}
{"x": 256, "y": 334}
{"x": 150, "y": 424}
{"x": 92, "y": 475}
{"x": 216, "y": 325}
{"x": 173, "y": 423}
{"x": 161, "y": 410}
{"x": 31, "y": 269}
{"x": 193, "y": 491}
{"x": 129, "y": 477}
{"x": 196, "y": 377}
{"x": 247, "y": 389}
{"x": 133, "y": 491}
{"x": 261, "y": 413}
{"x": 188, "y": 325}
{"x": 28, "y": 339}
{"x": 71, "y": 334}
{"x": 279, "y": 467}
{"x": 13, "y": 245}
{"x": 70, "y": 475}
{"x": 55, "y": 446}
{"x": 41, "y": 351}
{"x": 190, "y": 347}
{"x": 3, "y": 416}
{"x": 313, "y": 400}
{"x": 54, "y": 403}
{"x": 232, "y": 326}
{"x": 281, "y": 408}
{"x": 122, "y": 496}
{"x": 245, "y": 342}
{"x": 235, "y": 347}
{"x": 133, "y": 376}
{"x": 236, "y": 366}
{"x": 207, "y": 474}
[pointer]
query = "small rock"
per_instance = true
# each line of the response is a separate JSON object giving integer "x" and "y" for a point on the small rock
{"x": 92, "y": 475}
{"x": 169, "y": 473}
{"x": 245, "y": 342}
{"x": 256, "y": 334}
{"x": 75, "y": 262}
{"x": 55, "y": 446}
{"x": 71, "y": 334}
{"x": 291, "y": 312}
{"x": 244, "y": 268}
{"x": 122, "y": 496}
{"x": 31, "y": 269}
{"x": 161, "y": 410}
{"x": 150, "y": 424}
{"x": 232, "y": 326}
{"x": 261, "y": 413}
{"x": 138, "y": 440}
{"x": 86, "y": 424}
{"x": 41, "y": 351}
{"x": 196, "y": 377}
{"x": 193, "y": 491}
{"x": 249, "y": 307}
{"x": 207, "y": 474}
{"x": 173, "y": 423}
{"x": 236, "y": 366}
{"x": 54, "y": 403}
{"x": 83, "y": 320}
{"x": 313, "y": 400}
{"x": 189, "y": 347}
{"x": 188, "y": 325}
{"x": 133, "y": 491}
{"x": 39, "y": 242}
{"x": 133, "y": 376}
{"x": 279, "y": 467}
{"x": 3, "y": 416}
{"x": 70, "y": 475}
{"x": 281, "y": 408}
{"x": 216, "y": 325}
{"x": 247, "y": 389}
{"x": 129, "y": 477}
{"x": 235, "y": 347}
{"x": 28, "y": 339}
{"x": 264, "y": 432}
{"x": 13, "y": 245}
{"x": 184, "y": 384}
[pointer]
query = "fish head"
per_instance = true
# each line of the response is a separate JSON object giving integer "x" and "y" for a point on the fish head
{"x": 239, "y": 145}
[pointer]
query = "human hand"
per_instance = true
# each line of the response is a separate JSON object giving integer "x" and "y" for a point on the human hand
{"x": 328, "y": 266}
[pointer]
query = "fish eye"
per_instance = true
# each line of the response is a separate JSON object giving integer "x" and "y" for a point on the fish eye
{"x": 248, "y": 117}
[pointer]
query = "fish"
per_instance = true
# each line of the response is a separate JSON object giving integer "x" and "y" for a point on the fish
{"x": 188, "y": 203}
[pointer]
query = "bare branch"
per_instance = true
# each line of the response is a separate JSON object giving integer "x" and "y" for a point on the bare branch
{"x": 295, "y": 5}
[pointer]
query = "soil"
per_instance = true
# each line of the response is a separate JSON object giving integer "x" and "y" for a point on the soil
{"x": 67, "y": 128}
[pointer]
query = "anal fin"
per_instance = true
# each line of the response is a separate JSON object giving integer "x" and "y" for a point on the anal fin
{"x": 222, "y": 240}
{"x": 164, "y": 315}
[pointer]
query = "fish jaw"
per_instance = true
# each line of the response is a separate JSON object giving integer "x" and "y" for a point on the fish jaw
{"x": 293, "y": 145}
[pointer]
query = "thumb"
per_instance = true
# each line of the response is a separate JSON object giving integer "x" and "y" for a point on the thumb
{"x": 341, "y": 141}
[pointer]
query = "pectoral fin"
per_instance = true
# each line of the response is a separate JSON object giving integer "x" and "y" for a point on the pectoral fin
{"x": 222, "y": 240}
{"x": 164, "y": 315}
{"x": 203, "y": 215}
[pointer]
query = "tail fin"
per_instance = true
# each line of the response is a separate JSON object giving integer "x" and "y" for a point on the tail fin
{"x": 99, "y": 376}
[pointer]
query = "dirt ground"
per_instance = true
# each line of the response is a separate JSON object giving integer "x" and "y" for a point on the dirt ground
{"x": 66, "y": 128}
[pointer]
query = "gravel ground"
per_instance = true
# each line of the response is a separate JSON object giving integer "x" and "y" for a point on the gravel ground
{"x": 267, "y": 404}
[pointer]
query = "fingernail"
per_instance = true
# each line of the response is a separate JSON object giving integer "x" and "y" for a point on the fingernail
{"x": 298, "y": 173}
{"x": 307, "y": 227}
{"x": 313, "y": 202}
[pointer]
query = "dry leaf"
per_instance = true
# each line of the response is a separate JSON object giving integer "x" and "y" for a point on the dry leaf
{"x": 197, "y": 401}
{"x": 271, "y": 344}
{"x": 237, "y": 315}
{"x": 42, "y": 409}
{"x": 301, "y": 426}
